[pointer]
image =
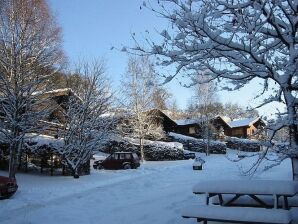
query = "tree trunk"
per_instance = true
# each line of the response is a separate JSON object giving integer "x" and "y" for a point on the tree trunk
{"x": 208, "y": 140}
{"x": 76, "y": 174}
{"x": 294, "y": 146}
{"x": 26, "y": 164}
{"x": 142, "y": 150}
{"x": 13, "y": 149}
{"x": 52, "y": 169}
{"x": 12, "y": 168}
{"x": 292, "y": 116}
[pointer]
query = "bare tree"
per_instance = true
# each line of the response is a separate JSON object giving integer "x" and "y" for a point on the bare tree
{"x": 161, "y": 98}
{"x": 235, "y": 111}
{"x": 29, "y": 53}
{"x": 237, "y": 41}
{"x": 86, "y": 127}
{"x": 205, "y": 95}
{"x": 174, "y": 111}
{"x": 137, "y": 92}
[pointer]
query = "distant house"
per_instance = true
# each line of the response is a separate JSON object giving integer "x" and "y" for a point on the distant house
{"x": 190, "y": 127}
{"x": 55, "y": 102}
{"x": 244, "y": 128}
{"x": 58, "y": 100}
{"x": 164, "y": 120}
{"x": 193, "y": 127}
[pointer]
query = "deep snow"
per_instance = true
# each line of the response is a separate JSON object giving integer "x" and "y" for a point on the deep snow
{"x": 154, "y": 193}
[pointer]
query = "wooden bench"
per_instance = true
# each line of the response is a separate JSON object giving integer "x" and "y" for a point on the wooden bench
{"x": 237, "y": 214}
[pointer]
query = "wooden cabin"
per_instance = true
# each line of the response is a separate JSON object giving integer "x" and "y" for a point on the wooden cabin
{"x": 58, "y": 100}
{"x": 194, "y": 127}
{"x": 244, "y": 128}
{"x": 162, "y": 119}
{"x": 190, "y": 127}
{"x": 220, "y": 126}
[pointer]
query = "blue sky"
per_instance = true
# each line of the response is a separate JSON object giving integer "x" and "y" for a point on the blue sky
{"x": 90, "y": 28}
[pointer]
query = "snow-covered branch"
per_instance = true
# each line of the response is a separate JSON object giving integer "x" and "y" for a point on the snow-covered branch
{"x": 237, "y": 41}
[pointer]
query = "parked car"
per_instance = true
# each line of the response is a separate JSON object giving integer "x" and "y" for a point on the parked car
{"x": 118, "y": 160}
{"x": 8, "y": 186}
{"x": 189, "y": 155}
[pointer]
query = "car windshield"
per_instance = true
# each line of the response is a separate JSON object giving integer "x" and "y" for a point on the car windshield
{"x": 112, "y": 157}
{"x": 135, "y": 156}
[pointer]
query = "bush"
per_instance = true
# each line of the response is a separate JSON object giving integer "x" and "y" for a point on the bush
{"x": 241, "y": 144}
{"x": 153, "y": 150}
{"x": 199, "y": 145}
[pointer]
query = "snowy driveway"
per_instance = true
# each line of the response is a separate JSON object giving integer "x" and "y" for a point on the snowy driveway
{"x": 155, "y": 193}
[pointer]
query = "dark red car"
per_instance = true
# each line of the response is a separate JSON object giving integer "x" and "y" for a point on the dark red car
{"x": 8, "y": 186}
{"x": 118, "y": 160}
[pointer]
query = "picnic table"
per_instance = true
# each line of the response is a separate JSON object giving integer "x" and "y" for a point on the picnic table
{"x": 255, "y": 189}
{"x": 251, "y": 188}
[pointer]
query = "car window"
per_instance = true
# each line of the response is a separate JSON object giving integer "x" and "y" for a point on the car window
{"x": 122, "y": 156}
{"x": 127, "y": 156}
{"x": 113, "y": 156}
{"x": 135, "y": 156}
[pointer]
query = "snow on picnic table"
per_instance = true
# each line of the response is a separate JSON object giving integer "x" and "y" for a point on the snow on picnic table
{"x": 154, "y": 193}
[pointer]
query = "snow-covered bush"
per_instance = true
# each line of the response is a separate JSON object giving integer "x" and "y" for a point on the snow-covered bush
{"x": 241, "y": 144}
{"x": 163, "y": 151}
{"x": 199, "y": 145}
{"x": 153, "y": 150}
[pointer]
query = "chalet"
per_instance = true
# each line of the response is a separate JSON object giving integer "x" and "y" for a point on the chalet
{"x": 164, "y": 120}
{"x": 58, "y": 99}
{"x": 55, "y": 102}
{"x": 244, "y": 128}
{"x": 193, "y": 127}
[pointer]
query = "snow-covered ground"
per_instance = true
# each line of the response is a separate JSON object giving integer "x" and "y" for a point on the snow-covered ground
{"x": 154, "y": 193}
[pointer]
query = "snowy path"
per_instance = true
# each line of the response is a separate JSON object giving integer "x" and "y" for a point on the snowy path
{"x": 156, "y": 193}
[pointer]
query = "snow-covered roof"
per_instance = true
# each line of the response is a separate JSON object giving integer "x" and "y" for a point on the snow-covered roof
{"x": 187, "y": 121}
{"x": 107, "y": 115}
{"x": 43, "y": 139}
{"x": 243, "y": 122}
{"x": 63, "y": 90}
{"x": 231, "y": 124}
{"x": 224, "y": 118}
{"x": 57, "y": 92}
{"x": 200, "y": 120}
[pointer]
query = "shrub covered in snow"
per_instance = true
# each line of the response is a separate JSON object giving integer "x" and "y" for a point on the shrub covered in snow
{"x": 241, "y": 144}
{"x": 153, "y": 150}
{"x": 199, "y": 145}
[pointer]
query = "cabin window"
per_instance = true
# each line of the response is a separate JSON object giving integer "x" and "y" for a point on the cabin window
{"x": 192, "y": 130}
